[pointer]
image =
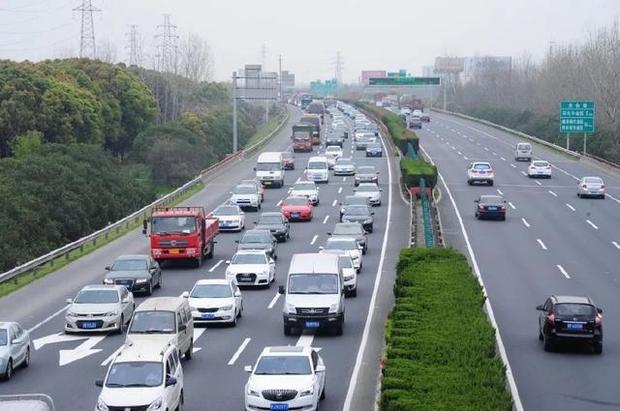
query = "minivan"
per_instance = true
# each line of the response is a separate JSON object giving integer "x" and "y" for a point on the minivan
{"x": 314, "y": 294}
{"x": 270, "y": 169}
{"x": 164, "y": 319}
{"x": 523, "y": 151}
{"x": 317, "y": 170}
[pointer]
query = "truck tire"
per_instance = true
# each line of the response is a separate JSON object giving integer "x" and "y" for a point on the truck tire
{"x": 211, "y": 249}
{"x": 338, "y": 328}
{"x": 287, "y": 330}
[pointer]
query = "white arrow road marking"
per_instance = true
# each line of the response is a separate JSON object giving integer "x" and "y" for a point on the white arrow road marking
{"x": 305, "y": 340}
{"x": 54, "y": 339}
{"x": 81, "y": 351}
{"x": 215, "y": 266}
{"x": 239, "y": 351}
{"x": 273, "y": 301}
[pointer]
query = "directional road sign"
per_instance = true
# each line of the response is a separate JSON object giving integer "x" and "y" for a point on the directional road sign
{"x": 404, "y": 81}
{"x": 577, "y": 116}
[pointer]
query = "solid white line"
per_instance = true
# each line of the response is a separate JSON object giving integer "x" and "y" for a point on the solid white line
{"x": 500, "y": 192}
{"x": 570, "y": 206}
{"x": 544, "y": 247}
{"x": 215, "y": 266}
{"x": 503, "y": 159}
{"x": 552, "y": 193}
{"x": 512, "y": 165}
{"x": 326, "y": 218}
{"x": 48, "y": 319}
{"x": 334, "y": 202}
{"x": 512, "y": 205}
{"x": 538, "y": 182}
{"x": 373, "y": 299}
{"x": 613, "y": 198}
{"x": 305, "y": 340}
{"x": 592, "y": 224}
{"x": 525, "y": 222}
{"x": 273, "y": 301}
{"x": 563, "y": 271}
{"x": 239, "y": 351}
{"x": 489, "y": 309}
{"x": 616, "y": 245}
{"x": 314, "y": 239}
{"x": 339, "y": 190}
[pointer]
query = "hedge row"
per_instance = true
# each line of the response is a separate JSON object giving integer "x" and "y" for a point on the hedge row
{"x": 401, "y": 135}
{"x": 440, "y": 346}
{"x": 413, "y": 170}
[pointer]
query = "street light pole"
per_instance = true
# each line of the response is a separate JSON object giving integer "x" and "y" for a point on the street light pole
{"x": 234, "y": 97}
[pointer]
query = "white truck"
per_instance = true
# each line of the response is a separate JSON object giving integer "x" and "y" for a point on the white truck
{"x": 270, "y": 169}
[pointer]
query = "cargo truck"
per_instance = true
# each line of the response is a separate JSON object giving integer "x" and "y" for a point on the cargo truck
{"x": 302, "y": 137}
{"x": 315, "y": 121}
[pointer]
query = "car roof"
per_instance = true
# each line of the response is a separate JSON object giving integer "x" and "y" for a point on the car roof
{"x": 264, "y": 252}
{"x": 213, "y": 281}
{"x": 491, "y": 197}
{"x": 568, "y": 299}
{"x": 4, "y": 324}
{"x": 103, "y": 287}
{"x": 287, "y": 349}
{"x": 348, "y": 224}
{"x": 256, "y": 231}
{"x": 481, "y": 162}
{"x": 161, "y": 304}
{"x": 143, "y": 350}
{"x": 360, "y": 167}
{"x": 132, "y": 257}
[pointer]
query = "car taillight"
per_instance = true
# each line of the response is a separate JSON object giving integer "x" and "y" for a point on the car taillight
{"x": 598, "y": 320}
{"x": 584, "y": 186}
{"x": 481, "y": 207}
{"x": 602, "y": 185}
{"x": 551, "y": 319}
{"x": 503, "y": 207}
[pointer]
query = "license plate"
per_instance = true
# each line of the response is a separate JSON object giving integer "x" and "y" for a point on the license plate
{"x": 295, "y": 215}
{"x": 245, "y": 278}
{"x": 279, "y": 407}
{"x": 224, "y": 224}
{"x": 312, "y": 324}
{"x": 208, "y": 316}
{"x": 492, "y": 208}
{"x": 174, "y": 251}
{"x": 89, "y": 325}
{"x": 574, "y": 326}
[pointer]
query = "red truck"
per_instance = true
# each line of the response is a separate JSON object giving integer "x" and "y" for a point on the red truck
{"x": 302, "y": 137}
{"x": 181, "y": 233}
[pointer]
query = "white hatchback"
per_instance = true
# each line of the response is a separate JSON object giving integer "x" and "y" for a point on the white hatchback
{"x": 539, "y": 168}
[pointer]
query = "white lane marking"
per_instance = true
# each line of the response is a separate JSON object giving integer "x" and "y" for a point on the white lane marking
{"x": 479, "y": 144}
{"x": 489, "y": 309}
{"x": 552, "y": 193}
{"x": 500, "y": 192}
{"x": 523, "y": 172}
{"x": 273, "y": 301}
{"x": 465, "y": 158}
{"x": 54, "y": 339}
{"x": 512, "y": 205}
{"x": 570, "y": 206}
{"x": 298, "y": 180}
{"x": 48, "y": 319}
{"x": 538, "y": 182}
{"x": 542, "y": 245}
{"x": 613, "y": 198}
{"x": 459, "y": 153}
{"x": 344, "y": 179}
{"x": 453, "y": 148}
{"x": 494, "y": 153}
{"x": 503, "y": 159}
{"x": 239, "y": 351}
{"x": 525, "y": 222}
{"x": 373, "y": 299}
{"x": 512, "y": 165}
{"x": 215, "y": 266}
{"x": 314, "y": 239}
{"x": 325, "y": 219}
{"x": 305, "y": 340}
{"x": 339, "y": 190}
{"x": 334, "y": 202}
{"x": 592, "y": 224}
{"x": 616, "y": 245}
{"x": 81, "y": 351}
{"x": 486, "y": 149}
{"x": 471, "y": 139}
{"x": 279, "y": 203}
{"x": 107, "y": 361}
{"x": 563, "y": 271}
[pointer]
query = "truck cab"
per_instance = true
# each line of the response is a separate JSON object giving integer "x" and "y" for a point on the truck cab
{"x": 270, "y": 169}
{"x": 302, "y": 137}
{"x": 315, "y": 121}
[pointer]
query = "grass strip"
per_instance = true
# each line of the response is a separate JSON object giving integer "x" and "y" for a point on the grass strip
{"x": 264, "y": 130}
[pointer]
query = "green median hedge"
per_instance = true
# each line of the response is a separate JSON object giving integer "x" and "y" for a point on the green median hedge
{"x": 401, "y": 135}
{"x": 413, "y": 170}
{"x": 440, "y": 346}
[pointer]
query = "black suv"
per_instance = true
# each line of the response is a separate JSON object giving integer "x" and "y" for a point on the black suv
{"x": 565, "y": 318}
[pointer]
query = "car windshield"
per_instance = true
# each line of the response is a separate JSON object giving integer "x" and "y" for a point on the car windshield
{"x": 540, "y": 163}
{"x": 355, "y": 200}
{"x": 173, "y": 225}
{"x": 4, "y": 340}
{"x": 135, "y": 374}
{"x": 130, "y": 265}
{"x": 367, "y": 189}
{"x": 353, "y": 229}
{"x": 270, "y": 219}
{"x": 482, "y": 166}
{"x": 256, "y": 237}
{"x": 249, "y": 259}
{"x": 584, "y": 310}
{"x": 306, "y": 186}
{"x": 313, "y": 284}
{"x": 344, "y": 162}
{"x": 96, "y": 297}
{"x": 283, "y": 365}
{"x": 268, "y": 166}
{"x": 345, "y": 262}
{"x": 211, "y": 291}
{"x": 341, "y": 244}
{"x": 357, "y": 210}
{"x": 244, "y": 190}
{"x": 296, "y": 201}
{"x": 366, "y": 170}
{"x": 152, "y": 322}
{"x": 317, "y": 165}
{"x": 226, "y": 211}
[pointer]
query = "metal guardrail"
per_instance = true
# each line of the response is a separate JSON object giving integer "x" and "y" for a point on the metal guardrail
{"x": 602, "y": 160}
{"x": 135, "y": 217}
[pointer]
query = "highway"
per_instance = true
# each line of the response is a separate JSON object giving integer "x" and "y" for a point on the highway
{"x": 551, "y": 243}
{"x": 66, "y": 367}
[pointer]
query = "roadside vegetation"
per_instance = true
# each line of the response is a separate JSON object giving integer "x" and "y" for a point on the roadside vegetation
{"x": 440, "y": 346}
{"x": 413, "y": 170}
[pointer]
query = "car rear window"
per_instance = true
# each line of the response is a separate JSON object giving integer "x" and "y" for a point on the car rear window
{"x": 594, "y": 180}
{"x": 540, "y": 164}
{"x": 524, "y": 146}
{"x": 482, "y": 166}
{"x": 567, "y": 309}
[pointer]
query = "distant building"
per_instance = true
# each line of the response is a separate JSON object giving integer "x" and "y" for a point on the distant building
{"x": 475, "y": 64}
{"x": 367, "y": 74}
{"x": 429, "y": 71}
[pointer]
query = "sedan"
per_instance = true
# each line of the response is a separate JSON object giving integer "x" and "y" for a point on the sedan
{"x": 251, "y": 268}
{"x": 15, "y": 348}
{"x": 425, "y": 118}
{"x": 288, "y": 159}
{"x": 352, "y": 200}
{"x": 370, "y": 191}
{"x": 335, "y": 139}
{"x": 344, "y": 167}
{"x": 297, "y": 208}
{"x": 259, "y": 240}
{"x": 490, "y": 206}
{"x": 137, "y": 273}
{"x": 374, "y": 150}
{"x": 246, "y": 196}
{"x": 354, "y": 230}
{"x": 231, "y": 217}
{"x": 215, "y": 301}
{"x": 276, "y": 223}
{"x": 99, "y": 308}
{"x": 306, "y": 189}
{"x": 366, "y": 174}
{"x": 350, "y": 247}
{"x": 539, "y": 168}
{"x": 259, "y": 187}
{"x": 591, "y": 187}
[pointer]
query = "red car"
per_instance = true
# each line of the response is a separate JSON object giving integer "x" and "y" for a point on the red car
{"x": 297, "y": 209}
{"x": 289, "y": 160}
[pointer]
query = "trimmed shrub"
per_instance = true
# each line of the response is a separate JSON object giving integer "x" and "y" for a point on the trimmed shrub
{"x": 413, "y": 170}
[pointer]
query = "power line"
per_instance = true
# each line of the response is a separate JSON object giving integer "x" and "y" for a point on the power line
{"x": 87, "y": 32}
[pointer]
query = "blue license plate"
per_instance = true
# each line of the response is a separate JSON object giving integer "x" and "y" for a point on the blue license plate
{"x": 208, "y": 316}
{"x": 573, "y": 326}
{"x": 295, "y": 215}
{"x": 89, "y": 325}
{"x": 492, "y": 208}
{"x": 312, "y": 324}
{"x": 279, "y": 407}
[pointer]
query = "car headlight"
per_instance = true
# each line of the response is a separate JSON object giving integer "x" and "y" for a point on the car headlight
{"x": 111, "y": 314}
{"x": 156, "y": 405}
{"x": 142, "y": 280}
{"x": 368, "y": 221}
{"x": 348, "y": 278}
{"x": 307, "y": 392}
{"x": 252, "y": 392}
{"x": 333, "y": 308}
{"x": 226, "y": 308}
{"x": 101, "y": 406}
{"x": 108, "y": 281}
{"x": 71, "y": 314}
{"x": 290, "y": 308}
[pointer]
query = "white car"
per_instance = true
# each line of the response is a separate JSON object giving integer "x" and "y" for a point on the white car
{"x": 480, "y": 172}
{"x": 539, "y": 168}
{"x": 251, "y": 268}
{"x": 332, "y": 153}
{"x": 98, "y": 308}
{"x": 285, "y": 378}
{"x": 305, "y": 189}
{"x": 318, "y": 169}
{"x": 349, "y": 273}
{"x": 245, "y": 196}
{"x": 344, "y": 167}
{"x": 591, "y": 187}
{"x": 231, "y": 217}
{"x": 215, "y": 301}
{"x": 350, "y": 246}
{"x": 370, "y": 191}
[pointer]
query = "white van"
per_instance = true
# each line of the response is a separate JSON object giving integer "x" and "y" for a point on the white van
{"x": 523, "y": 151}
{"x": 270, "y": 169}
{"x": 164, "y": 319}
{"x": 317, "y": 169}
{"x": 313, "y": 294}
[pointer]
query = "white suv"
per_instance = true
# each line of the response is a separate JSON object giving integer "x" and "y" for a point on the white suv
{"x": 143, "y": 375}
{"x": 251, "y": 268}
{"x": 480, "y": 172}
{"x": 286, "y": 378}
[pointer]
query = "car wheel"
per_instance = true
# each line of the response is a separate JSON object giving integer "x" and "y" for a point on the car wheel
{"x": 26, "y": 362}
{"x": 578, "y": 195}
{"x": 190, "y": 350}
{"x": 503, "y": 218}
{"x": 540, "y": 336}
{"x": 240, "y": 313}
{"x": 477, "y": 216}
{"x": 603, "y": 197}
{"x": 121, "y": 325}
{"x": 287, "y": 330}
{"x": 149, "y": 291}
{"x": 8, "y": 373}
{"x": 491, "y": 183}
{"x": 470, "y": 182}
{"x": 160, "y": 281}
{"x": 233, "y": 323}
{"x": 353, "y": 293}
{"x": 322, "y": 395}
{"x": 258, "y": 207}
{"x": 598, "y": 347}
{"x": 548, "y": 344}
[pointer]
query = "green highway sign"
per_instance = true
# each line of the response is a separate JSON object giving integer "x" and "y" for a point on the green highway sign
{"x": 404, "y": 81}
{"x": 577, "y": 116}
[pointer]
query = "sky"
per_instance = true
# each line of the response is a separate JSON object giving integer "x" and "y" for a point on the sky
{"x": 370, "y": 35}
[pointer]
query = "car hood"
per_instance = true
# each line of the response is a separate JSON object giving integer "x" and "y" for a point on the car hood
{"x": 93, "y": 308}
{"x": 280, "y": 382}
{"x": 355, "y": 218}
{"x": 312, "y": 300}
{"x": 159, "y": 339}
{"x": 128, "y": 274}
{"x": 130, "y": 397}
{"x": 254, "y": 246}
{"x": 295, "y": 209}
{"x": 246, "y": 268}
{"x": 303, "y": 193}
{"x": 234, "y": 197}
{"x": 209, "y": 302}
{"x": 275, "y": 227}
{"x": 228, "y": 217}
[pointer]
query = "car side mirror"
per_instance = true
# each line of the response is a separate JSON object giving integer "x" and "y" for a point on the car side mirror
{"x": 599, "y": 310}
{"x": 14, "y": 341}
{"x": 237, "y": 293}
{"x": 329, "y": 233}
{"x": 227, "y": 261}
{"x": 99, "y": 383}
{"x": 182, "y": 327}
{"x": 108, "y": 268}
{"x": 185, "y": 294}
{"x": 476, "y": 201}
{"x": 281, "y": 289}
{"x": 373, "y": 213}
{"x": 170, "y": 381}
{"x": 69, "y": 301}
{"x": 321, "y": 247}
{"x": 254, "y": 168}
{"x": 247, "y": 368}
{"x": 237, "y": 241}
{"x": 540, "y": 308}
{"x": 320, "y": 368}
{"x": 272, "y": 261}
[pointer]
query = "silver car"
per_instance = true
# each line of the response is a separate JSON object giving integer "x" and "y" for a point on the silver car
{"x": 344, "y": 167}
{"x": 591, "y": 187}
{"x": 15, "y": 348}
{"x": 98, "y": 308}
{"x": 370, "y": 191}
{"x": 366, "y": 174}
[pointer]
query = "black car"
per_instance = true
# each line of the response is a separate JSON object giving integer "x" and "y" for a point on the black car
{"x": 138, "y": 273}
{"x": 351, "y": 201}
{"x": 334, "y": 140}
{"x": 276, "y": 223}
{"x": 374, "y": 150}
{"x": 490, "y": 206}
{"x": 567, "y": 318}
{"x": 359, "y": 214}
{"x": 259, "y": 240}
{"x": 354, "y": 230}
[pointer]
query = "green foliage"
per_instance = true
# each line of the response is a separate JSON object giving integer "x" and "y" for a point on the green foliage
{"x": 27, "y": 143}
{"x": 401, "y": 135}
{"x": 413, "y": 170}
{"x": 440, "y": 347}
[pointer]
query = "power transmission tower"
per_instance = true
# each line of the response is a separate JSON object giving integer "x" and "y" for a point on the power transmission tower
{"x": 263, "y": 56}
{"x": 135, "y": 49}
{"x": 87, "y": 32}
{"x": 338, "y": 66}
{"x": 168, "y": 47}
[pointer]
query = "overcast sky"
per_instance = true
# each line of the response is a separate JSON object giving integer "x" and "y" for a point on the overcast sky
{"x": 386, "y": 34}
